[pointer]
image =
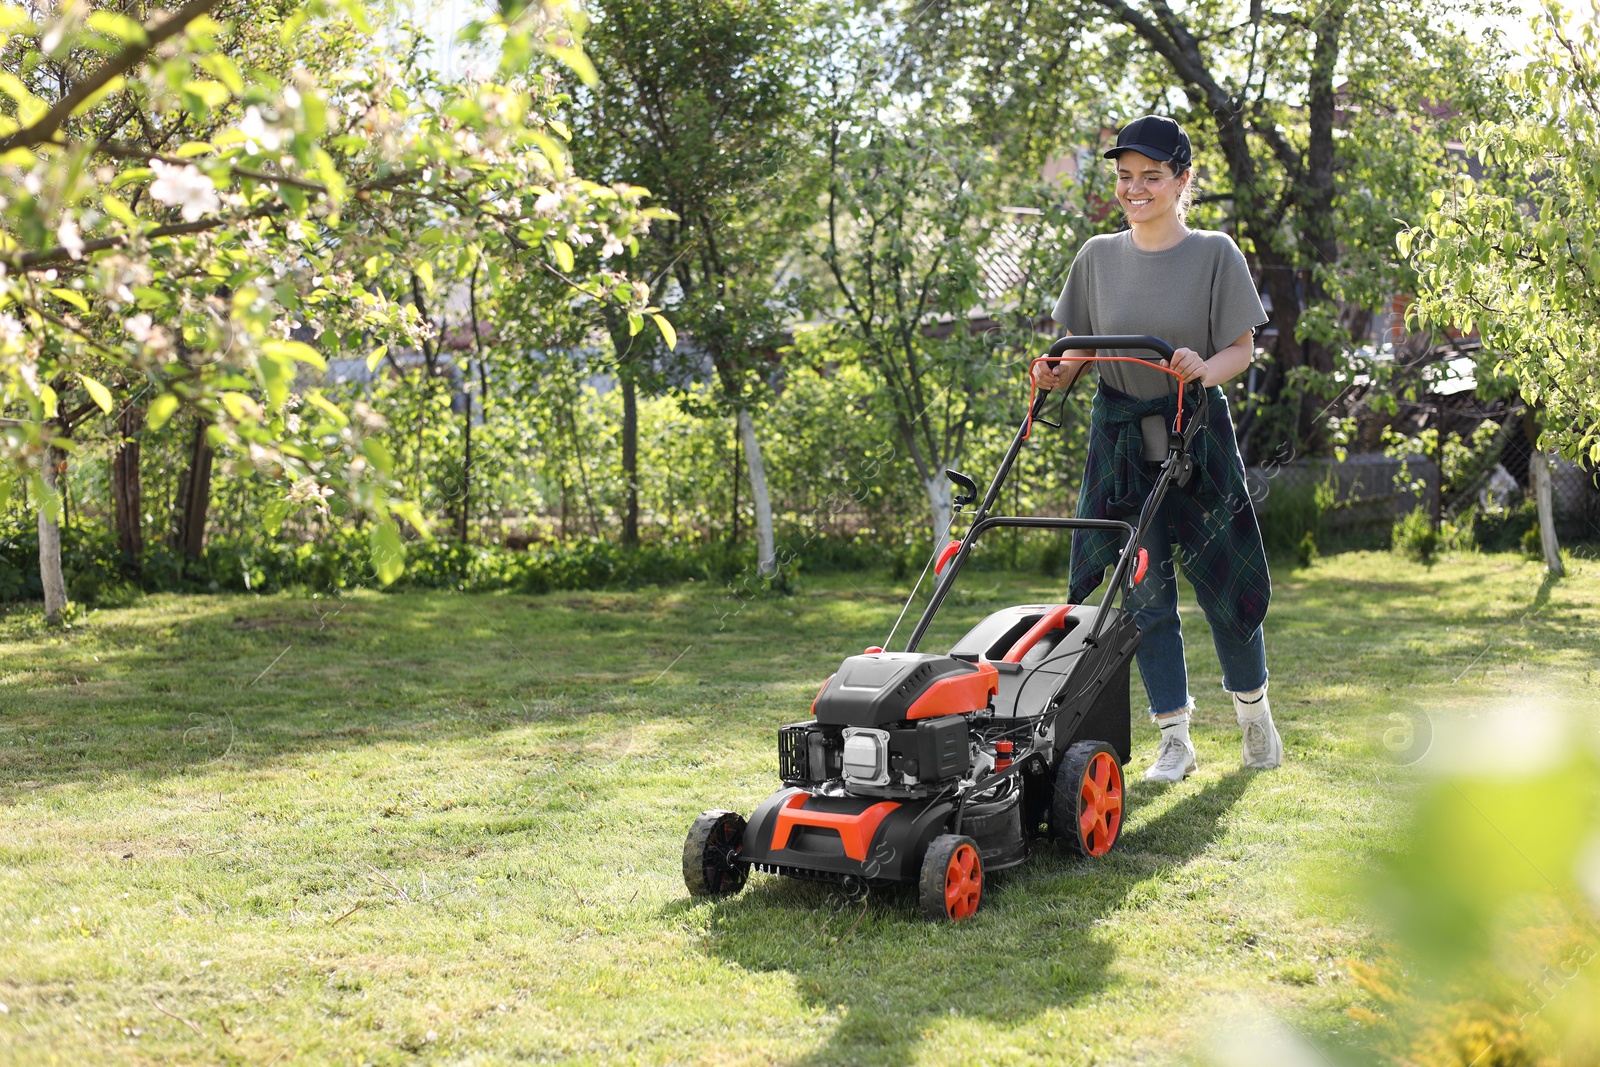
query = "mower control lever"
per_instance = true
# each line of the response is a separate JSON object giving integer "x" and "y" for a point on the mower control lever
{"x": 968, "y": 487}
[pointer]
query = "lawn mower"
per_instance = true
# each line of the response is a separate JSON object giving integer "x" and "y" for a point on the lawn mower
{"x": 938, "y": 769}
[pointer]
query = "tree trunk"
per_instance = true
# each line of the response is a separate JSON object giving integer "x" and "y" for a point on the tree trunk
{"x": 938, "y": 489}
{"x": 197, "y": 495}
{"x": 766, "y": 551}
{"x": 564, "y": 492}
{"x": 55, "y": 585}
{"x": 466, "y": 393}
{"x": 1539, "y": 475}
{"x": 733, "y": 536}
{"x": 466, "y": 461}
{"x": 1438, "y": 463}
{"x": 127, "y": 489}
{"x": 630, "y": 458}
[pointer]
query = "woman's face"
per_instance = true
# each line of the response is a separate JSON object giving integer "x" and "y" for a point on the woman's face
{"x": 1146, "y": 188}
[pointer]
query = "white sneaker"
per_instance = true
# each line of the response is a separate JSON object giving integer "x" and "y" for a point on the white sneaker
{"x": 1260, "y": 748}
{"x": 1175, "y": 760}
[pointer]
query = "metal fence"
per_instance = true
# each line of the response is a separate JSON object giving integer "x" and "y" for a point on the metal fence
{"x": 1370, "y": 491}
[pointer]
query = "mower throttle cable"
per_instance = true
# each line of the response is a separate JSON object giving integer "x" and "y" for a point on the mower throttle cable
{"x": 1052, "y": 657}
{"x": 1061, "y": 412}
{"x": 1033, "y": 385}
{"x": 938, "y": 544}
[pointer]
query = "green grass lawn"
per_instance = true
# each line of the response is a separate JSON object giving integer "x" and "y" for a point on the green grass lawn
{"x": 448, "y": 828}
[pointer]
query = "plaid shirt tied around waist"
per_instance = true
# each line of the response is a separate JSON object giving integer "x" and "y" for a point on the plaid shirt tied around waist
{"x": 1213, "y": 520}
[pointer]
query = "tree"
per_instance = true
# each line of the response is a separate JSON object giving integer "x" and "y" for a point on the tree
{"x": 1516, "y": 255}
{"x": 908, "y": 208}
{"x": 704, "y": 104}
{"x": 1320, "y": 123}
{"x": 182, "y": 188}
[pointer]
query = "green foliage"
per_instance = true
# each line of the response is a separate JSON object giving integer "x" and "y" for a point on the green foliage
{"x": 1054, "y": 559}
{"x": 343, "y": 559}
{"x": 1531, "y": 543}
{"x": 1465, "y": 463}
{"x": 1505, "y": 529}
{"x": 705, "y": 103}
{"x": 1415, "y": 537}
{"x": 1305, "y": 553}
{"x": 173, "y": 218}
{"x": 1490, "y": 901}
{"x": 1292, "y": 514}
{"x": 1516, "y": 255}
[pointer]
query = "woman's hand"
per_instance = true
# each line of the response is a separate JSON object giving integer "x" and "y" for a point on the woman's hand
{"x": 1064, "y": 371}
{"x": 1057, "y": 375}
{"x": 1188, "y": 365}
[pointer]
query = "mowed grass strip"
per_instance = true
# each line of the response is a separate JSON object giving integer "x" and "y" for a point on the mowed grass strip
{"x": 438, "y": 827}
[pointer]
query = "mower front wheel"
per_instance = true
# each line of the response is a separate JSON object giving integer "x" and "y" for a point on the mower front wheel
{"x": 711, "y": 866}
{"x": 951, "y": 886}
{"x": 1087, "y": 806}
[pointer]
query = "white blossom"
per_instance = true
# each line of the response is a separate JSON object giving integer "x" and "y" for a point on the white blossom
{"x": 612, "y": 247}
{"x": 138, "y": 327}
{"x": 67, "y": 233}
{"x": 546, "y": 204}
{"x": 184, "y": 187}
{"x": 10, "y": 331}
{"x": 263, "y": 138}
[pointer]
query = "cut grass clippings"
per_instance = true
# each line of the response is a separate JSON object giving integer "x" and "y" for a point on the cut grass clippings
{"x": 436, "y": 827}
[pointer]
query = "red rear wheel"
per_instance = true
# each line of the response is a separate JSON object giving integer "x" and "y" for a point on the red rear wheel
{"x": 1087, "y": 806}
{"x": 951, "y": 886}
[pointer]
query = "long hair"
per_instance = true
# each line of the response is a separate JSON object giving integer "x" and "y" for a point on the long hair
{"x": 1185, "y": 198}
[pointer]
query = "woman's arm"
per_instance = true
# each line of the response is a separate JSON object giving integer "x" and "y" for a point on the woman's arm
{"x": 1223, "y": 366}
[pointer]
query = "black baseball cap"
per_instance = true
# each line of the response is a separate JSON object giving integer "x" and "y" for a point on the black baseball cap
{"x": 1156, "y": 137}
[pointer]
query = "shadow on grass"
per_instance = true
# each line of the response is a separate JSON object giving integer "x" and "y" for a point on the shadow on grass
{"x": 1032, "y": 948}
{"x": 179, "y": 683}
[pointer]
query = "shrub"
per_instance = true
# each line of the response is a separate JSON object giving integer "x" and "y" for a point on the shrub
{"x": 1532, "y": 544}
{"x": 1503, "y": 529}
{"x": 1305, "y": 553}
{"x": 1290, "y": 514}
{"x": 97, "y": 574}
{"x": 1414, "y": 536}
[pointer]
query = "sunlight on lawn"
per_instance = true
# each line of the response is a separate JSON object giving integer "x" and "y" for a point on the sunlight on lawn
{"x": 433, "y": 826}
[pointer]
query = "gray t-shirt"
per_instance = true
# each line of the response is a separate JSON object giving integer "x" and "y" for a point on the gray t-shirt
{"x": 1197, "y": 294}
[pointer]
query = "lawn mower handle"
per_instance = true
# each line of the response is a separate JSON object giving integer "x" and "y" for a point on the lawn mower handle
{"x": 981, "y": 520}
{"x": 1116, "y": 340}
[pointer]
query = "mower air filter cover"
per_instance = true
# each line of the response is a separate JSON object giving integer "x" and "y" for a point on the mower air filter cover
{"x": 883, "y": 688}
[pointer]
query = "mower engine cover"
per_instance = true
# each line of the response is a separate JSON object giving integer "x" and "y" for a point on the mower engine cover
{"x": 884, "y": 688}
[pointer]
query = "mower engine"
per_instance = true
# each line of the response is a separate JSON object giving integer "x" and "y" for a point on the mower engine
{"x": 880, "y": 772}
{"x": 889, "y": 724}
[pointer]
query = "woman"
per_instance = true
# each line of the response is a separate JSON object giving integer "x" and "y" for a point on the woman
{"x": 1193, "y": 289}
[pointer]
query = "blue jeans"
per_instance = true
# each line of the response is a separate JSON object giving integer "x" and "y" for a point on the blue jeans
{"x": 1154, "y": 603}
